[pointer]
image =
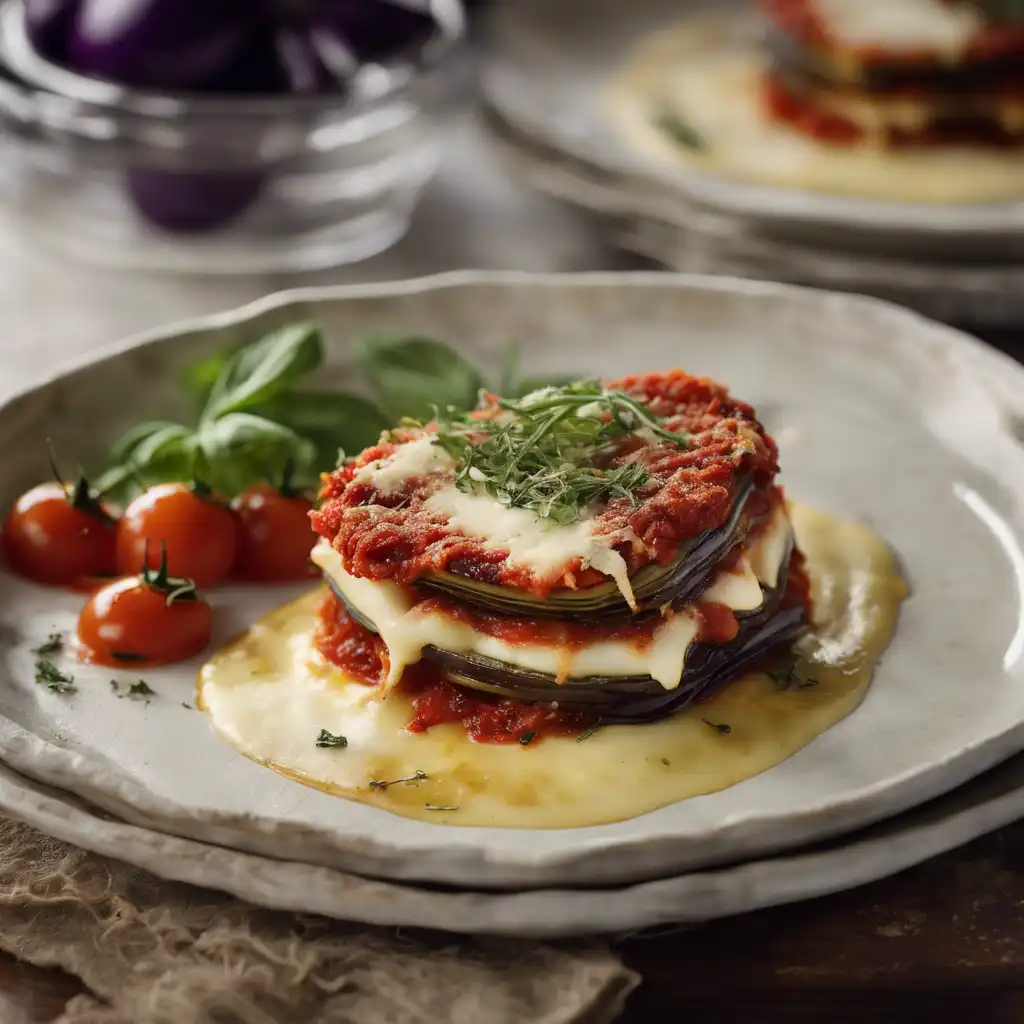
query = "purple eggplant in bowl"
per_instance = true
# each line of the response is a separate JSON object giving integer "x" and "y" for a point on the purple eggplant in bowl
{"x": 244, "y": 76}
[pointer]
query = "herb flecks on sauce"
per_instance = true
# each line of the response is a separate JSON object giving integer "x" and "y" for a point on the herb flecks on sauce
{"x": 417, "y": 776}
{"x": 547, "y": 452}
{"x": 134, "y": 691}
{"x": 722, "y": 728}
{"x": 330, "y": 739}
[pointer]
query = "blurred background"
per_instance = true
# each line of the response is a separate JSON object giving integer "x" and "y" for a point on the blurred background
{"x": 168, "y": 158}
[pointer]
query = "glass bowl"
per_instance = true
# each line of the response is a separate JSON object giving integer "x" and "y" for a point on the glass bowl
{"x": 203, "y": 183}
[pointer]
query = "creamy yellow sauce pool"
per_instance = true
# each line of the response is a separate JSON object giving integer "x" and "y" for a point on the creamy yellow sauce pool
{"x": 269, "y": 695}
{"x": 698, "y": 71}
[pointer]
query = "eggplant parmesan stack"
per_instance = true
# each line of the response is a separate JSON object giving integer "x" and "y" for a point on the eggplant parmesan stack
{"x": 898, "y": 74}
{"x": 594, "y": 552}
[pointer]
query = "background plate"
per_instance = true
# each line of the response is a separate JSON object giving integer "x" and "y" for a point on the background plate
{"x": 880, "y": 416}
{"x": 570, "y": 49}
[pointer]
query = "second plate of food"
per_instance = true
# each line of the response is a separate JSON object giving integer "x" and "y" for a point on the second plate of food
{"x": 834, "y": 122}
{"x": 570, "y": 628}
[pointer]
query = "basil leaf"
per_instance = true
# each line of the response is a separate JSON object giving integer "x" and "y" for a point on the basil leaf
{"x": 330, "y": 420}
{"x": 126, "y": 445}
{"x": 264, "y": 369}
{"x": 415, "y": 375}
{"x": 240, "y": 448}
{"x": 198, "y": 378}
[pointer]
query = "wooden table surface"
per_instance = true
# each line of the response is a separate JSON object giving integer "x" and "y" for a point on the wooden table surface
{"x": 943, "y": 941}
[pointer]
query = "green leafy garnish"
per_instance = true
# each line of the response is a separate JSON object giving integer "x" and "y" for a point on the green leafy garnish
{"x": 547, "y": 455}
{"x": 586, "y": 734}
{"x": 53, "y": 644}
{"x": 441, "y": 807}
{"x": 527, "y": 738}
{"x": 721, "y": 727}
{"x": 330, "y": 739}
{"x": 679, "y": 130}
{"x": 254, "y": 417}
{"x": 135, "y": 691}
{"x": 48, "y": 675}
{"x": 417, "y": 776}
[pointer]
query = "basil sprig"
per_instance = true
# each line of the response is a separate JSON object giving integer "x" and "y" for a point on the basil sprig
{"x": 254, "y": 417}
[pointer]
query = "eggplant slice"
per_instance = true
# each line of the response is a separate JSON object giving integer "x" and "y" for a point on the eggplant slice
{"x": 654, "y": 586}
{"x": 631, "y": 699}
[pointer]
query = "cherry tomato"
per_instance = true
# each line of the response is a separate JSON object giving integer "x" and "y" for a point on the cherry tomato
{"x": 59, "y": 534}
{"x": 200, "y": 534}
{"x": 276, "y": 536}
{"x": 144, "y": 620}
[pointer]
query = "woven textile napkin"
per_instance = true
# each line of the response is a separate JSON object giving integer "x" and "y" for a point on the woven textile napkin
{"x": 157, "y": 952}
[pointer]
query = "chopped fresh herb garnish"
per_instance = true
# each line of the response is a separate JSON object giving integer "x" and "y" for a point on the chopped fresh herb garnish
{"x": 417, "y": 776}
{"x": 53, "y": 644}
{"x": 47, "y": 674}
{"x": 722, "y": 728}
{"x": 187, "y": 707}
{"x": 665, "y": 761}
{"x": 135, "y": 691}
{"x": 554, "y": 453}
{"x": 586, "y": 734}
{"x": 527, "y": 738}
{"x": 127, "y": 656}
{"x": 680, "y": 131}
{"x": 785, "y": 675}
{"x": 330, "y": 739}
{"x": 441, "y": 807}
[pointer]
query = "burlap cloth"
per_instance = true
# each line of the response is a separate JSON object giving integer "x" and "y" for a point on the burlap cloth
{"x": 156, "y": 952}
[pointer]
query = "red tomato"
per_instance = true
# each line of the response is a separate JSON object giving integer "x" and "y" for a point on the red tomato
{"x": 200, "y": 534}
{"x": 276, "y": 536}
{"x": 60, "y": 534}
{"x": 135, "y": 622}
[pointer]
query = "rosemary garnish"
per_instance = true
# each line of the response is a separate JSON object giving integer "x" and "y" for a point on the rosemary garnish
{"x": 53, "y": 644}
{"x": 679, "y": 131}
{"x": 417, "y": 776}
{"x": 527, "y": 738}
{"x": 586, "y": 734}
{"x": 48, "y": 675}
{"x": 330, "y": 739}
{"x": 441, "y": 807}
{"x": 723, "y": 729}
{"x": 554, "y": 454}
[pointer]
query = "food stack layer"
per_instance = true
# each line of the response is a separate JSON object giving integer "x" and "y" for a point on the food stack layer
{"x": 898, "y": 73}
{"x": 590, "y": 552}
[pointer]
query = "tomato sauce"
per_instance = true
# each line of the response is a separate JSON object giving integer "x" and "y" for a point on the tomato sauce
{"x": 393, "y": 536}
{"x": 809, "y": 118}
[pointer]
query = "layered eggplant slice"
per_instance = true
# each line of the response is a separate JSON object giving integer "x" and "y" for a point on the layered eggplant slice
{"x": 618, "y": 550}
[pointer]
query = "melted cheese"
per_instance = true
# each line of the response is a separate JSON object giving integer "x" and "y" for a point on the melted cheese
{"x": 947, "y": 28}
{"x": 539, "y": 545}
{"x": 269, "y": 695}
{"x": 406, "y": 629}
{"x": 696, "y": 71}
{"x": 418, "y": 458}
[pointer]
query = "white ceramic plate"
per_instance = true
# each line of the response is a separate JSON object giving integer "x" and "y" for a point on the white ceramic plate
{"x": 880, "y": 415}
{"x": 980, "y": 806}
{"x": 710, "y": 242}
{"x": 570, "y": 49}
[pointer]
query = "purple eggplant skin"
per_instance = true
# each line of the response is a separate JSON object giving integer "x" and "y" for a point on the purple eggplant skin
{"x": 185, "y": 203}
{"x": 160, "y": 44}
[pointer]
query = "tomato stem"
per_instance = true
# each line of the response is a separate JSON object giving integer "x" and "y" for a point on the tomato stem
{"x": 81, "y": 496}
{"x": 175, "y": 588}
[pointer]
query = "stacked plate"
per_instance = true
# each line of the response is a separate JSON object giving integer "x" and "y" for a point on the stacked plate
{"x": 880, "y": 417}
{"x": 609, "y": 65}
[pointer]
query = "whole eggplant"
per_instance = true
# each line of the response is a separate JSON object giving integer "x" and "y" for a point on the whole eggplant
{"x": 220, "y": 47}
